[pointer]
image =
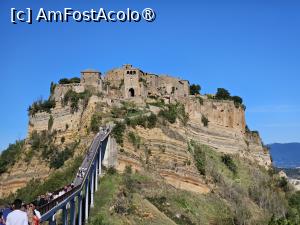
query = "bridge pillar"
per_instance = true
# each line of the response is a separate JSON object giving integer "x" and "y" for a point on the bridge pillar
{"x": 65, "y": 215}
{"x": 96, "y": 175}
{"x": 92, "y": 187}
{"x": 99, "y": 161}
{"x": 86, "y": 202}
{"x": 79, "y": 209}
{"x": 72, "y": 212}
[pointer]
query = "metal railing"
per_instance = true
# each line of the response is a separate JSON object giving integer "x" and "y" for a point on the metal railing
{"x": 51, "y": 207}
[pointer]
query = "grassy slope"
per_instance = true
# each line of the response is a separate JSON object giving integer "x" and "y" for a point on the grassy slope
{"x": 154, "y": 202}
{"x": 149, "y": 200}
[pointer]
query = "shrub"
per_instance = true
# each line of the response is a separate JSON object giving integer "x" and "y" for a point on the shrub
{"x": 134, "y": 139}
{"x": 152, "y": 119}
{"x": 160, "y": 103}
{"x": 118, "y": 132}
{"x": 69, "y": 81}
{"x": 168, "y": 114}
{"x": 9, "y": 156}
{"x": 204, "y": 120}
{"x": 95, "y": 122}
{"x": 283, "y": 184}
{"x": 39, "y": 140}
{"x": 117, "y": 112}
{"x": 59, "y": 158}
{"x": 73, "y": 98}
{"x": 228, "y": 161}
{"x": 174, "y": 111}
{"x": 127, "y": 178}
{"x": 111, "y": 171}
{"x": 52, "y": 88}
{"x": 237, "y": 100}
{"x": 195, "y": 89}
{"x": 200, "y": 100}
{"x": 41, "y": 106}
{"x": 50, "y": 122}
{"x": 144, "y": 121}
{"x": 200, "y": 159}
{"x": 128, "y": 169}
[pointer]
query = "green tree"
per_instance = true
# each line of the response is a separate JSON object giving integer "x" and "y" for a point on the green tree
{"x": 195, "y": 89}
{"x": 222, "y": 94}
{"x": 237, "y": 99}
{"x": 64, "y": 81}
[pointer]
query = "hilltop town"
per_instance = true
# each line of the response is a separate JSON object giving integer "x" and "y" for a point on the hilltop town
{"x": 74, "y": 103}
{"x": 164, "y": 129}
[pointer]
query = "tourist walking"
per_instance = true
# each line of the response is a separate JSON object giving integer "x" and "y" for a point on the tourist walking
{"x": 17, "y": 217}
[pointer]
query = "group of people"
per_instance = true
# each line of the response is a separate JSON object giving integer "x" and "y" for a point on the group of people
{"x": 20, "y": 214}
{"x": 81, "y": 172}
{"x": 48, "y": 197}
{"x": 27, "y": 214}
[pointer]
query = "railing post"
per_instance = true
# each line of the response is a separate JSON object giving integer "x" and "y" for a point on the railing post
{"x": 86, "y": 202}
{"x": 80, "y": 208}
{"x": 52, "y": 220}
{"x": 92, "y": 187}
{"x": 72, "y": 212}
{"x": 65, "y": 215}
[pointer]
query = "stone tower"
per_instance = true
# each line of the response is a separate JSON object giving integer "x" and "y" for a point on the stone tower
{"x": 132, "y": 86}
{"x": 91, "y": 79}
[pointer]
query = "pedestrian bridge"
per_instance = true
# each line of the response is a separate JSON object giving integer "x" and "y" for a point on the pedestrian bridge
{"x": 75, "y": 204}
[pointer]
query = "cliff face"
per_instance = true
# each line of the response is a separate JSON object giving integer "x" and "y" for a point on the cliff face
{"x": 164, "y": 148}
{"x": 226, "y": 129}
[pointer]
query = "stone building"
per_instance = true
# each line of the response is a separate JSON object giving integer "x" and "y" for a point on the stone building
{"x": 132, "y": 82}
{"x": 126, "y": 82}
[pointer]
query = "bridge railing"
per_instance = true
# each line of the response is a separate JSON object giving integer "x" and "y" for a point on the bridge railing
{"x": 47, "y": 207}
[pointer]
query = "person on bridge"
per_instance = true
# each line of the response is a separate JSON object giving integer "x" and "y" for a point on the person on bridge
{"x": 17, "y": 217}
{"x": 36, "y": 218}
{"x": 6, "y": 211}
{"x": 1, "y": 219}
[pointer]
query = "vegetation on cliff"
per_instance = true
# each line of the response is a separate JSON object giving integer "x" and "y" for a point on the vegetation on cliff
{"x": 43, "y": 145}
{"x": 69, "y": 81}
{"x": 41, "y": 106}
{"x": 56, "y": 180}
{"x": 223, "y": 94}
{"x": 255, "y": 195}
{"x": 9, "y": 156}
{"x": 73, "y": 98}
{"x": 195, "y": 89}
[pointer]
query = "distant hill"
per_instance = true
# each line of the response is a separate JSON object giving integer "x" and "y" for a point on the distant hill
{"x": 285, "y": 155}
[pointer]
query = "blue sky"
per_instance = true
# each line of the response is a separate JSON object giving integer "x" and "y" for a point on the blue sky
{"x": 251, "y": 48}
